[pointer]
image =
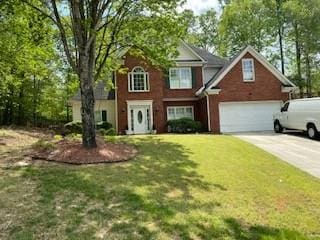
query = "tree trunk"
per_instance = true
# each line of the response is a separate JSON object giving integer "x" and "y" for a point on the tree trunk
{"x": 298, "y": 59}
{"x": 87, "y": 101}
{"x": 34, "y": 103}
{"x": 281, "y": 52}
{"x": 20, "y": 106}
{"x": 308, "y": 74}
{"x": 280, "y": 33}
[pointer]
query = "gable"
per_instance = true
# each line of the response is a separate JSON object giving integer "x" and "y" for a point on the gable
{"x": 187, "y": 54}
{"x": 262, "y": 76}
{"x": 258, "y": 58}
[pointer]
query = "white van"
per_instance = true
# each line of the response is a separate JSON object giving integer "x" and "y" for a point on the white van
{"x": 299, "y": 114}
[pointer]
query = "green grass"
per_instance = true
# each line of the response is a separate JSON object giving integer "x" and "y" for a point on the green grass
{"x": 178, "y": 187}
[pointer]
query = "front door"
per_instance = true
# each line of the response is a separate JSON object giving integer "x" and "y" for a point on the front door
{"x": 140, "y": 120}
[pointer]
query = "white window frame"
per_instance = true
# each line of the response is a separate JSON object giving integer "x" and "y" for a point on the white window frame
{"x": 179, "y": 69}
{"x": 175, "y": 107}
{"x": 98, "y": 113}
{"x": 243, "y": 72}
{"x": 131, "y": 80}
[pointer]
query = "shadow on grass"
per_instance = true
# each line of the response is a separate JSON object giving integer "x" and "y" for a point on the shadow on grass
{"x": 151, "y": 197}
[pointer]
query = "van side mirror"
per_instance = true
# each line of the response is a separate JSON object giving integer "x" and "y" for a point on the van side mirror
{"x": 282, "y": 109}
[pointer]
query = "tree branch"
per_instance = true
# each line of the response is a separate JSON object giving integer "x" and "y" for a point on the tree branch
{"x": 39, "y": 10}
{"x": 63, "y": 35}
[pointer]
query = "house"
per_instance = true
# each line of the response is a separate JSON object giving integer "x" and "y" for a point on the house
{"x": 225, "y": 96}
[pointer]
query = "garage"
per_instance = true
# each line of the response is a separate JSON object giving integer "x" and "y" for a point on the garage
{"x": 247, "y": 116}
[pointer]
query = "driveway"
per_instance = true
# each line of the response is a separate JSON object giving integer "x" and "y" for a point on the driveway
{"x": 294, "y": 148}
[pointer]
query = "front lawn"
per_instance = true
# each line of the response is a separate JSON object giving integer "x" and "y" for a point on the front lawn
{"x": 178, "y": 187}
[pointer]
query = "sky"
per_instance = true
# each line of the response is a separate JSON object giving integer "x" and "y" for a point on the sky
{"x": 199, "y": 6}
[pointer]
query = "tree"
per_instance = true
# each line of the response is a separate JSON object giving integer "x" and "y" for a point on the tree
{"x": 93, "y": 31}
{"x": 202, "y": 29}
{"x": 280, "y": 20}
{"x": 302, "y": 17}
{"x": 26, "y": 60}
{"x": 245, "y": 22}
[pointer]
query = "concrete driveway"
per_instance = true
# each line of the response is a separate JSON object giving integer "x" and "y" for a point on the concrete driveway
{"x": 294, "y": 148}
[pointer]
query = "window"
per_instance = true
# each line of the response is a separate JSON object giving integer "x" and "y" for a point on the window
{"x": 248, "y": 69}
{"x": 138, "y": 80}
{"x": 97, "y": 116}
{"x": 179, "y": 112}
{"x": 180, "y": 78}
{"x": 100, "y": 116}
{"x": 104, "y": 115}
{"x": 285, "y": 107}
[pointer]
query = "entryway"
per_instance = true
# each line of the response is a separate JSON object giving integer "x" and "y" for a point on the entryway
{"x": 139, "y": 117}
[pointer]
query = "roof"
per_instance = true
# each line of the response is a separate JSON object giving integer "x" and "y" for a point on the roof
{"x": 99, "y": 92}
{"x": 229, "y": 65}
{"x": 208, "y": 57}
{"x": 225, "y": 66}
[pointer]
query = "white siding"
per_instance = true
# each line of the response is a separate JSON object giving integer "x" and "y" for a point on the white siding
{"x": 186, "y": 54}
{"x": 108, "y": 105}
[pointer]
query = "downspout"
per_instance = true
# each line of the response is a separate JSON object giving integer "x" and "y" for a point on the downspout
{"x": 208, "y": 112}
{"x": 116, "y": 99}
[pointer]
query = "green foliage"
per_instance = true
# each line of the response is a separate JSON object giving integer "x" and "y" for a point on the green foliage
{"x": 109, "y": 132}
{"x": 202, "y": 29}
{"x": 246, "y": 22}
{"x": 73, "y": 128}
{"x": 184, "y": 125}
{"x": 43, "y": 145}
{"x": 103, "y": 125}
{"x": 32, "y": 85}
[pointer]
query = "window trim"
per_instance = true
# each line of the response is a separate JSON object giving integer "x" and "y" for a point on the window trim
{"x": 190, "y": 71}
{"x": 131, "y": 80}
{"x": 174, "y": 107}
{"x": 253, "y": 72}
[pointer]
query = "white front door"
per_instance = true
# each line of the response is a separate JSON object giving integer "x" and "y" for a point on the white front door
{"x": 140, "y": 123}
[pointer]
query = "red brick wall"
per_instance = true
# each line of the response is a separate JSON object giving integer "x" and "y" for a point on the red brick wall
{"x": 156, "y": 81}
{"x": 183, "y": 93}
{"x": 203, "y": 113}
{"x": 265, "y": 87}
{"x": 158, "y": 91}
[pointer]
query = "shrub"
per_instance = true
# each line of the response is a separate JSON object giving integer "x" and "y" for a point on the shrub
{"x": 76, "y": 127}
{"x": 57, "y": 137}
{"x": 73, "y": 127}
{"x": 43, "y": 145}
{"x": 103, "y": 125}
{"x": 184, "y": 125}
{"x": 109, "y": 132}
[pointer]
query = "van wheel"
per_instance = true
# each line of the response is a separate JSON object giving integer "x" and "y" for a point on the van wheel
{"x": 312, "y": 131}
{"x": 277, "y": 127}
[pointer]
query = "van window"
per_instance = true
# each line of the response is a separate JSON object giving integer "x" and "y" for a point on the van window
{"x": 285, "y": 107}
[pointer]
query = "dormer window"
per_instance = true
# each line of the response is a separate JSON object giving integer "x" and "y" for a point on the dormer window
{"x": 248, "y": 70}
{"x": 138, "y": 80}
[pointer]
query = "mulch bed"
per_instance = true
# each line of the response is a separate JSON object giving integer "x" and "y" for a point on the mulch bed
{"x": 72, "y": 152}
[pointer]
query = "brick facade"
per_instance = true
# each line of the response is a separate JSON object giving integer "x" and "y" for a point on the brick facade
{"x": 158, "y": 93}
{"x": 233, "y": 89}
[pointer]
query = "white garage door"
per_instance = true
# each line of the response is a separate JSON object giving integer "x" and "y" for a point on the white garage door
{"x": 247, "y": 116}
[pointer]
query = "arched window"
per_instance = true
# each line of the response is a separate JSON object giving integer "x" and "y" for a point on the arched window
{"x": 138, "y": 80}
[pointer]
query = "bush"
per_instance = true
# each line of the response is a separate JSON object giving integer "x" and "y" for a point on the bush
{"x": 73, "y": 127}
{"x": 103, "y": 125}
{"x": 76, "y": 127}
{"x": 184, "y": 125}
{"x": 109, "y": 132}
{"x": 43, "y": 145}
